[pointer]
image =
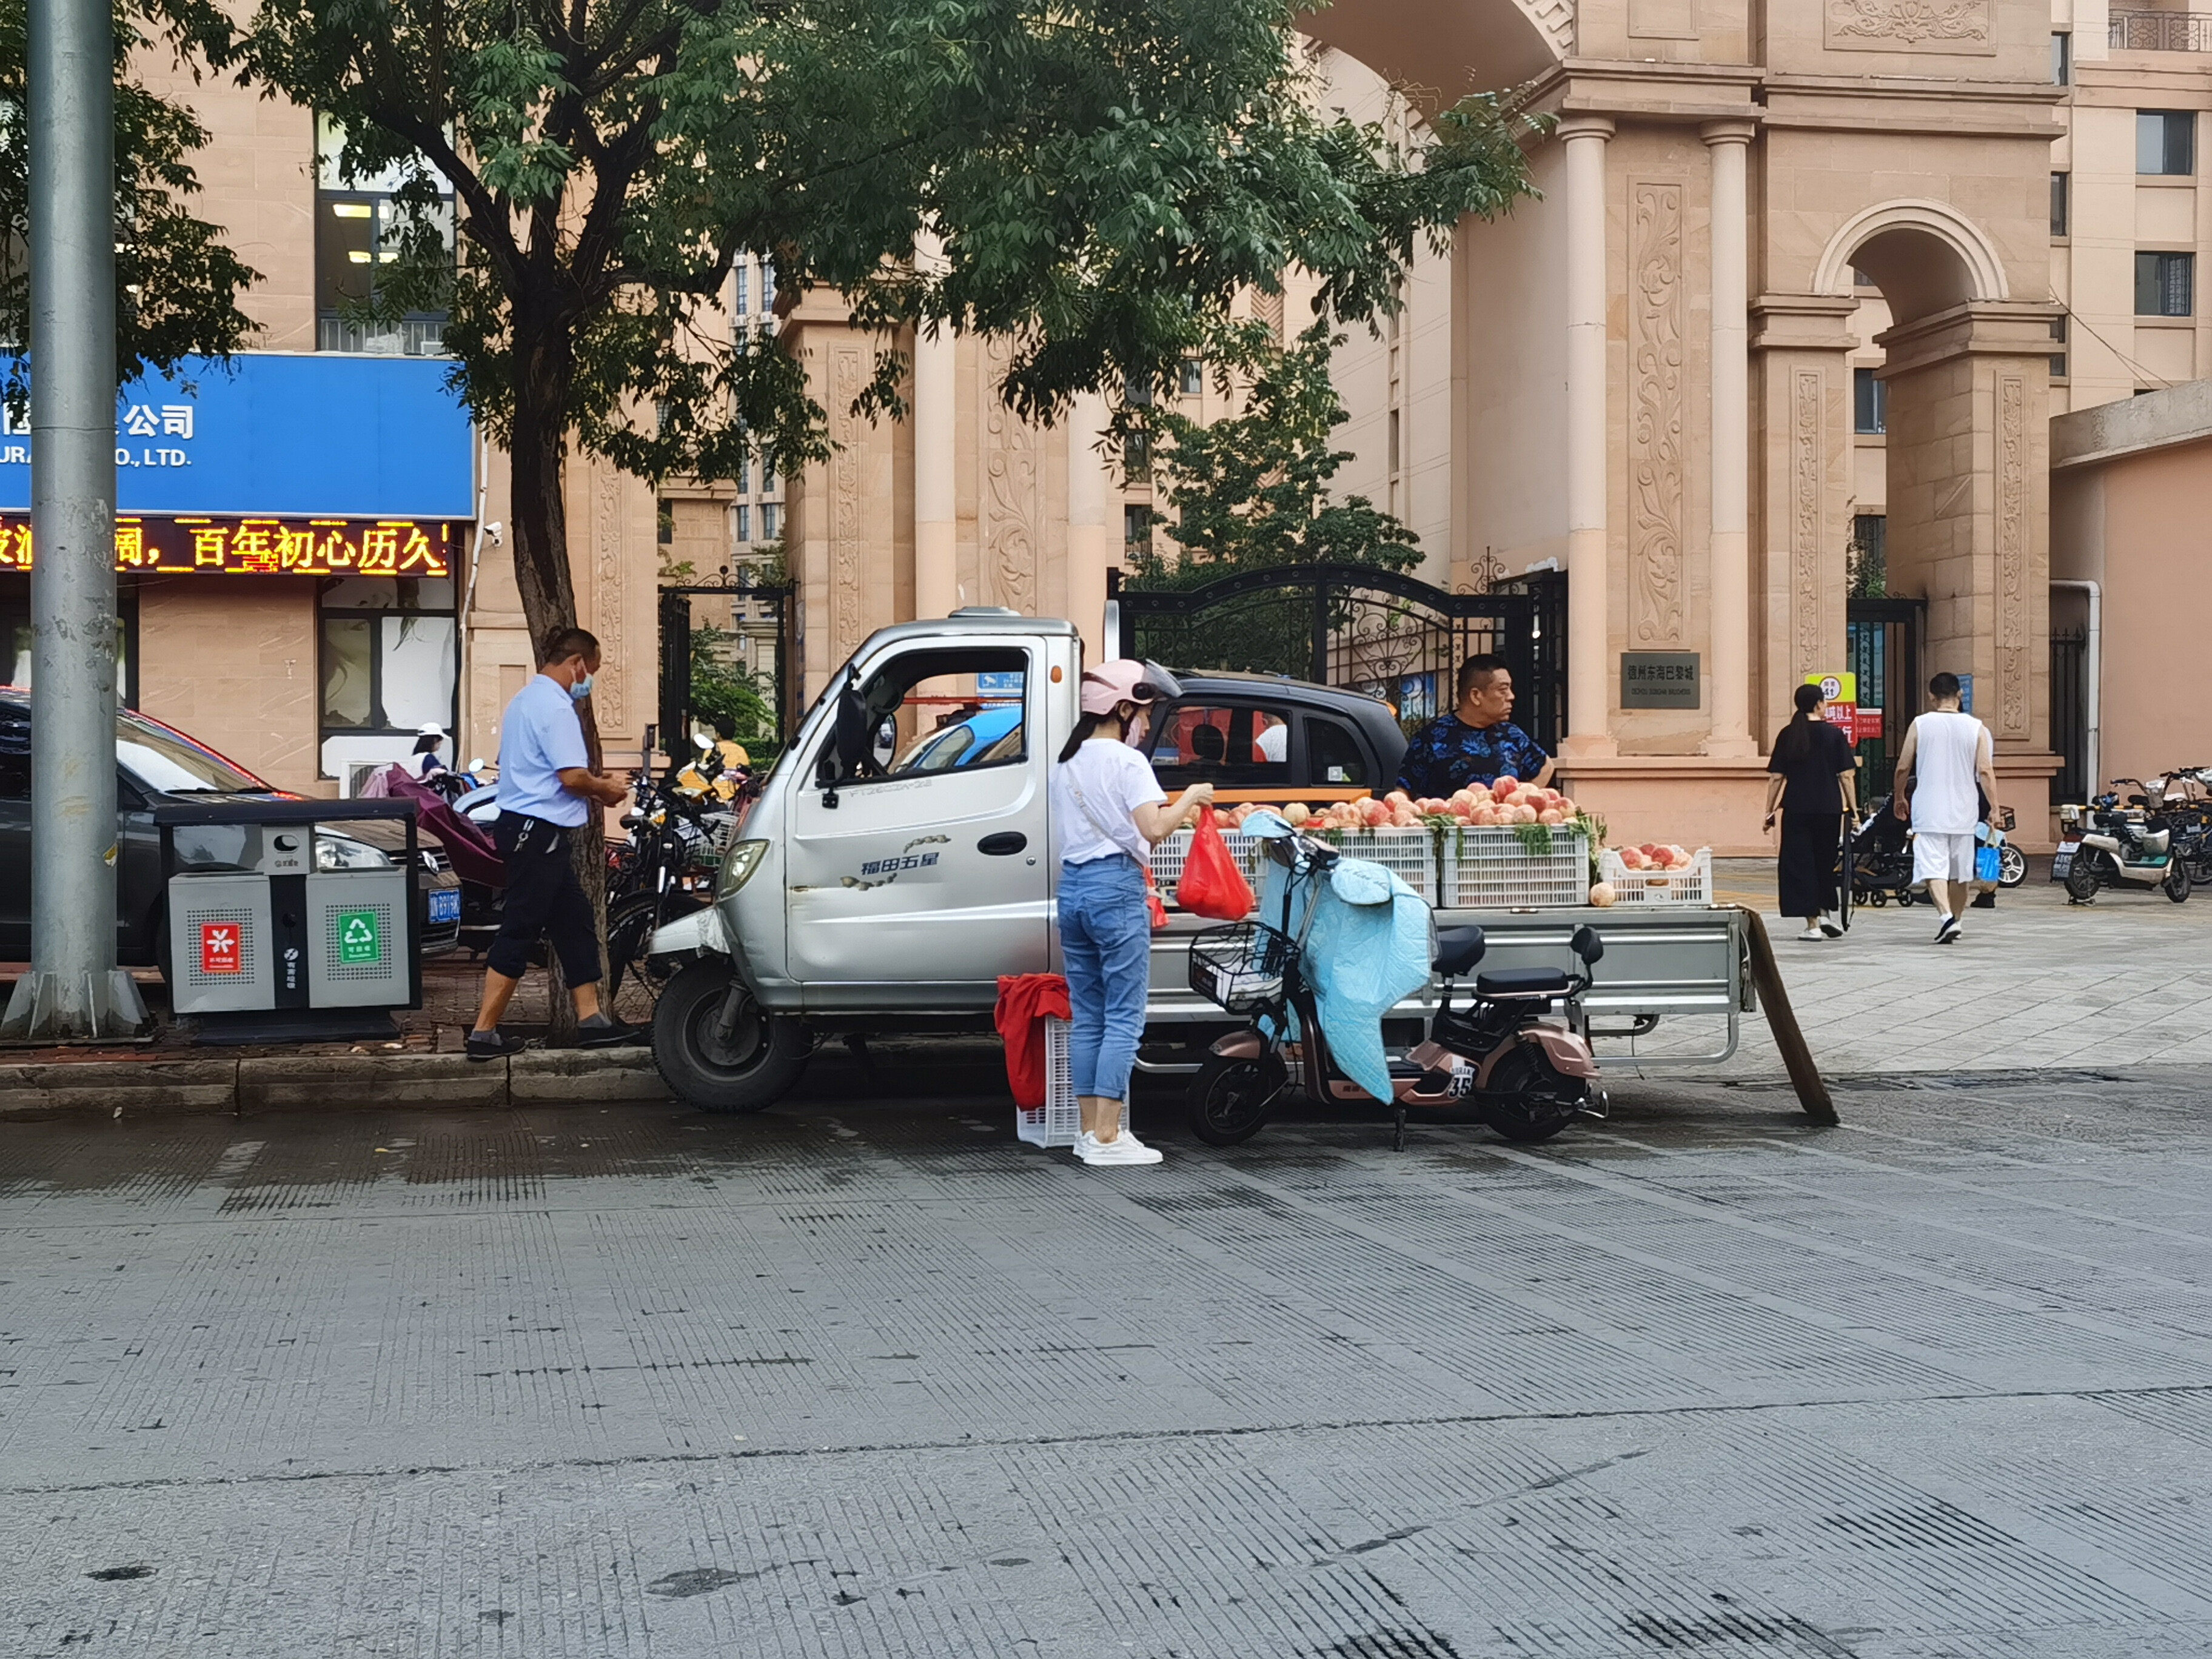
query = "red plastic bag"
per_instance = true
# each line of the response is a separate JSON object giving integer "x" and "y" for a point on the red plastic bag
{"x": 1212, "y": 885}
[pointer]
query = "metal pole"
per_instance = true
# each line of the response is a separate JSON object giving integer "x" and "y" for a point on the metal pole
{"x": 74, "y": 991}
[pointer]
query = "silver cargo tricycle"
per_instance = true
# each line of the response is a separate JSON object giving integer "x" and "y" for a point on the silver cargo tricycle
{"x": 888, "y": 875}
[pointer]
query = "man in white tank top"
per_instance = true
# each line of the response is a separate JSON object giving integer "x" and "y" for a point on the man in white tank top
{"x": 1946, "y": 755}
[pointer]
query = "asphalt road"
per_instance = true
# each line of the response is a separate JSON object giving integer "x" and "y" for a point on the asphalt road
{"x": 864, "y": 1379}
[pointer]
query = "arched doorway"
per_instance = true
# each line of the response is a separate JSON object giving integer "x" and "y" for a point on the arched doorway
{"x": 1960, "y": 368}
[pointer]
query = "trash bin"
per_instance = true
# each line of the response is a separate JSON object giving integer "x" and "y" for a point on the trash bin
{"x": 280, "y": 928}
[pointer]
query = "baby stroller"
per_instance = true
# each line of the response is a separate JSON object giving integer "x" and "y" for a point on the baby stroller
{"x": 1880, "y": 854}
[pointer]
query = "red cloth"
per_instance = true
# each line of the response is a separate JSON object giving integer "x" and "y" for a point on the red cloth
{"x": 1025, "y": 1002}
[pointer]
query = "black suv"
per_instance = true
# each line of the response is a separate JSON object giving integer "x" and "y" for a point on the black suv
{"x": 156, "y": 763}
{"x": 1260, "y": 732}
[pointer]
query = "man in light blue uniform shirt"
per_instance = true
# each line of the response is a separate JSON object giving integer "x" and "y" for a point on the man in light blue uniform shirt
{"x": 547, "y": 788}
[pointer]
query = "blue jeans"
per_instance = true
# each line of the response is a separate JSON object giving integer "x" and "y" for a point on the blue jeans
{"x": 1106, "y": 946}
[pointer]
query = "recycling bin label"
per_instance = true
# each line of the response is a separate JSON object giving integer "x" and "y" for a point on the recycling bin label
{"x": 219, "y": 953}
{"x": 357, "y": 936}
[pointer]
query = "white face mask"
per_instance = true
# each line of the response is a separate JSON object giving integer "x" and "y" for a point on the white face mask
{"x": 1133, "y": 729}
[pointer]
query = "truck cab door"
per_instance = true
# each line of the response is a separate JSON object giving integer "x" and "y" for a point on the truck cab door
{"x": 915, "y": 881}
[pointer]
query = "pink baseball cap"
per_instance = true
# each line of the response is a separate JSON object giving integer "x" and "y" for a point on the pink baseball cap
{"x": 1125, "y": 680}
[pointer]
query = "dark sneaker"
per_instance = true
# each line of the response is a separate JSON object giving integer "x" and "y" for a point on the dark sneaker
{"x": 491, "y": 1045}
{"x": 614, "y": 1034}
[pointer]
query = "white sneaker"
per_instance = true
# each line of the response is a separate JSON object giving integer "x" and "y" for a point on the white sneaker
{"x": 1124, "y": 1148}
{"x": 1947, "y": 929}
{"x": 1812, "y": 933}
{"x": 1830, "y": 926}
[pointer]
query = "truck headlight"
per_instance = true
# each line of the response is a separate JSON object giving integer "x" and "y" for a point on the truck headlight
{"x": 345, "y": 853}
{"x": 737, "y": 866}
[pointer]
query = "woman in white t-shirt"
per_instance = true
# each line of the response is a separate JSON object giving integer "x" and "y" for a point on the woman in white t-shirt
{"x": 1109, "y": 812}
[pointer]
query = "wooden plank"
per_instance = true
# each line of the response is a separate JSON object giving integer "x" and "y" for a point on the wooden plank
{"x": 1781, "y": 1020}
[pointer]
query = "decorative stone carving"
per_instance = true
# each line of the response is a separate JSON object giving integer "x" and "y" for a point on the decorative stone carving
{"x": 1011, "y": 507}
{"x": 1807, "y": 464}
{"x": 2012, "y": 573}
{"x": 1556, "y": 19}
{"x": 1656, "y": 469}
{"x": 611, "y": 698}
{"x": 846, "y": 527}
{"x": 1916, "y": 25}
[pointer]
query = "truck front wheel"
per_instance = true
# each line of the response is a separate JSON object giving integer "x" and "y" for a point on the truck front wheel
{"x": 749, "y": 1063}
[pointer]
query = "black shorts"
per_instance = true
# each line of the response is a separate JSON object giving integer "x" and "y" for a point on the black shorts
{"x": 544, "y": 899}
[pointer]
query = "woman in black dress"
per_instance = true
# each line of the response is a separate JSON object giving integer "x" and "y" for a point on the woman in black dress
{"x": 1814, "y": 782}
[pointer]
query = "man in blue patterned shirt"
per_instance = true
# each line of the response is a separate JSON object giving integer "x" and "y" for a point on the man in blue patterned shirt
{"x": 1475, "y": 743}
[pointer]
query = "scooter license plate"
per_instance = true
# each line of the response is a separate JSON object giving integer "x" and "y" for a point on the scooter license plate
{"x": 2063, "y": 859}
{"x": 446, "y": 905}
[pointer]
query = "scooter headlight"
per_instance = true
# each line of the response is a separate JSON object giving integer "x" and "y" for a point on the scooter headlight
{"x": 737, "y": 866}
{"x": 2070, "y": 817}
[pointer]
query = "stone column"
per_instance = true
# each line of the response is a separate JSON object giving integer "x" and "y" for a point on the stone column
{"x": 936, "y": 570}
{"x": 1088, "y": 541}
{"x": 1589, "y": 654}
{"x": 1729, "y": 674}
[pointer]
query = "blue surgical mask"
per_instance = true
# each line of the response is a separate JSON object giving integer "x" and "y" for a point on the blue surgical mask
{"x": 580, "y": 690}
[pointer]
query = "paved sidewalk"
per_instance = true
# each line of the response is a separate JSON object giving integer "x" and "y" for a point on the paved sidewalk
{"x": 2037, "y": 982}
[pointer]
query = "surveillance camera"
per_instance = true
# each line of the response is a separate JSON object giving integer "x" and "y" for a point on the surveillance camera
{"x": 497, "y": 531}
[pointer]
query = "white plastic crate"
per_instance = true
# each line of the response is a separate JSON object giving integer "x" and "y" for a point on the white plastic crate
{"x": 1486, "y": 868}
{"x": 1692, "y": 886}
{"x": 1168, "y": 858}
{"x": 1408, "y": 854}
{"x": 1059, "y": 1121}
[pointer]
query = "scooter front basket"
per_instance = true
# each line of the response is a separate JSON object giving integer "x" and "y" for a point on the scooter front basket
{"x": 1242, "y": 966}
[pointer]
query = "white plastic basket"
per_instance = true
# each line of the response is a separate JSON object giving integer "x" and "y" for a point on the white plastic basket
{"x": 1488, "y": 869}
{"x": 1692, "y": 886}
{"x": 1059, "y": 1121}
{"x": 1170, "y": 856}
{"x": 1408, "y": 854}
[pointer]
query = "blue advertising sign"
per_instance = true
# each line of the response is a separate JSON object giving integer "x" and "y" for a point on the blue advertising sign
{"x": 271, "y": 434}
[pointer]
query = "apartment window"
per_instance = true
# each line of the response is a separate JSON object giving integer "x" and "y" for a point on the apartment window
{"x": 2165, "y": 284}
{"x": 359, "y": 233}
{"x": 2061, "y": 205}
{"x": 664, "y": 523}
{"x": 767, "y": 474}
{"x": 1194, "y": 377}
{"x": 745, "y": 522}
{"x": 2058, "y": 358}
{"x": 1137, "y": 530}
{"x": 768, "y": 289}
{"x": 769, "y": 514}
{"x": 1869, "y": 401}
{"x": 2166, "y": 141}
{"x": 745, "y": 290}
{"x": 2062, "y": 60}
{"x": 1393, "y": 442}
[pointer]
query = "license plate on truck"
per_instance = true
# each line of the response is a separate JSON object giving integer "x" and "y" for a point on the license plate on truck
{"x": 2063, "y": 859}
{"x": 444, "y": 904}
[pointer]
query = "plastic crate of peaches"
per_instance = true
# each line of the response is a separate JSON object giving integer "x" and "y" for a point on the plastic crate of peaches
{"x": 1654, "y": 873}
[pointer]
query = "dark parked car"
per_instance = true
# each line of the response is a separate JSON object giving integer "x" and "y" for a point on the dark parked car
{"x": 1258, "y": 731}
{"x": 156, "y": 763}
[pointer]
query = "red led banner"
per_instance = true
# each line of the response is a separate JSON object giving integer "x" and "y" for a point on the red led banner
{"x": 266, "y": 547}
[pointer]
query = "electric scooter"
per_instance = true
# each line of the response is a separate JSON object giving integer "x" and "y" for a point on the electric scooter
{"x": 2108, "y": 844}
{"x": 1528, "y": 1077}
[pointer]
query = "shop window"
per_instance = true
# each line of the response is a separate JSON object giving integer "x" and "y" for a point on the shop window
{"x": 2166, "y": 141}
{"x": 2165, "y": 284}
{"x": 1869, "y": 401}
{"x": 2061, "y": 59}
{"x": 15, "y": 637}
{"x": 2061, "y": 205}
{"x": 359, "y": 228}
{"x": 390, "y": 664}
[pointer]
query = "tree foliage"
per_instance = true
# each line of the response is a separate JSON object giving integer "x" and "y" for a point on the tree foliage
{"x": 1101, "y": 179}
{"x": 1252, "y": 490}
{"x": 178, "y": 280}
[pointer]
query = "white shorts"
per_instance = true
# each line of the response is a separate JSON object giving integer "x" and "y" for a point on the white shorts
{"x": 1939, "y": 857}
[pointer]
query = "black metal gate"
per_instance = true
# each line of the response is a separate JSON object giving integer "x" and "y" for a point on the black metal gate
{"x": 756, "y": 637}
{"x": 1390, "y": 636}
{"x": 2069, "y": 716}
{"x": 1882, "y": 648}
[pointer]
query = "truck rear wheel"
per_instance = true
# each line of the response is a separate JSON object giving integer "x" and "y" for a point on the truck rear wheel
{"x": 754, "y": 1066}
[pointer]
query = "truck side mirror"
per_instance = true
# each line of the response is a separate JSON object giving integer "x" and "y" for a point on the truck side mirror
{"x": 851, "y": 737}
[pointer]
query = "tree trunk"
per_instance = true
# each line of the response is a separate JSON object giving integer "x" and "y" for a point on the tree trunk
{"x": 538, "y": 516}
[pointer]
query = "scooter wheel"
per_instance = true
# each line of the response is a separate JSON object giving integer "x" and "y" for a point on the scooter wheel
{"x": 2177, "y": 882}
{"x": 2082, "y": 877}
{"x": 2012, "y": 866}
{"x": 1231, "y": 1096}
{"x": 1527, "y": 1100}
